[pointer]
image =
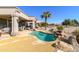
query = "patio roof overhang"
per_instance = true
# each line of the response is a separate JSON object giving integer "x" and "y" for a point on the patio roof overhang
{"x": 10, "y": 11}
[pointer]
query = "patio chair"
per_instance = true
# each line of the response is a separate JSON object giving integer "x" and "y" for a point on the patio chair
{"x": 5, "y": 30}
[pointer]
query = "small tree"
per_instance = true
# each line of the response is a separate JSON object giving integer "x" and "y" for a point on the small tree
{"x": 70, "y": 22}
{"x": 66, "y": 22}
{"x": 76, "y": 22}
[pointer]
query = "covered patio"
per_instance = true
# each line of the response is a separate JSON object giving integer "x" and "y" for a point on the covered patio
{"x": 12, "y": 20}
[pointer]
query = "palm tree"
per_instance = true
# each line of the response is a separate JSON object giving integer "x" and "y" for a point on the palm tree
{"x": 46, "y": 15}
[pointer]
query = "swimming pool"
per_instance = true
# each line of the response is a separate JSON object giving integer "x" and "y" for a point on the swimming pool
{"x": 44, "y": 36}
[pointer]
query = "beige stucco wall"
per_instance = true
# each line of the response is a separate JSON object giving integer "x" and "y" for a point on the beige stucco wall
{"x": 7, "y": 10}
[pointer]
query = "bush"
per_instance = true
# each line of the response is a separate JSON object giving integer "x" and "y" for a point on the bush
{"x": 77, "y": 38}
{"x": 76, "y": 33}
{"x": 42, "y": 24}
{"x": 51, "y": 30}
{"x": 60, "y": 27}
{"x": 54, "y": 45}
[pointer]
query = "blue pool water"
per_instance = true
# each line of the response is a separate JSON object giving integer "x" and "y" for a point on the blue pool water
{"x": 44, "y": 36}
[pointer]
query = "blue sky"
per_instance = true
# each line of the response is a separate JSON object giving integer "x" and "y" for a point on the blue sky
{"x": 59, "y": 13}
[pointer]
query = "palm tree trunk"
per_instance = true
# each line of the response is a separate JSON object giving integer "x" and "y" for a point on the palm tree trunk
{"x": 45, "y": 23}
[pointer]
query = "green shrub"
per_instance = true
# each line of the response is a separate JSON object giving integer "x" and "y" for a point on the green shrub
{"x": 42, "y": 24}
{"x": 76, "y": 32}
{"x": 60, "y": 27}
{"x": 51, "y": 30}
{"x": 54, "y": 45}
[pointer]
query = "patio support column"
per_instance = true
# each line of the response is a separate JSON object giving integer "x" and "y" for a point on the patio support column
{"x": 33, "y": 25}
{"x": 14, "y": 29}
{"x": 7, "y": 23}
{"x": 28, "y": 23}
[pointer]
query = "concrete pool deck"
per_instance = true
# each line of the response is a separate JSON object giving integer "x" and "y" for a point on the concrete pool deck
{"x": 24, "y": 43}
{"x": 28, "y": 43}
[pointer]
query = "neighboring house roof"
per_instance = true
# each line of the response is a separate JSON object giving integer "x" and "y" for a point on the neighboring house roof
{"x": 39, "y": 21}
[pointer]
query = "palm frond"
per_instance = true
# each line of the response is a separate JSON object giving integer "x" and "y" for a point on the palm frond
{"x": 49, "y": 15}
{"x": 47, "y": 12}
{"x": 42, "y": 16}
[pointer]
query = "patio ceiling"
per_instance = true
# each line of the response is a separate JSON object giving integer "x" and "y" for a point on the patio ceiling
{"x": 5, "y": 17}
